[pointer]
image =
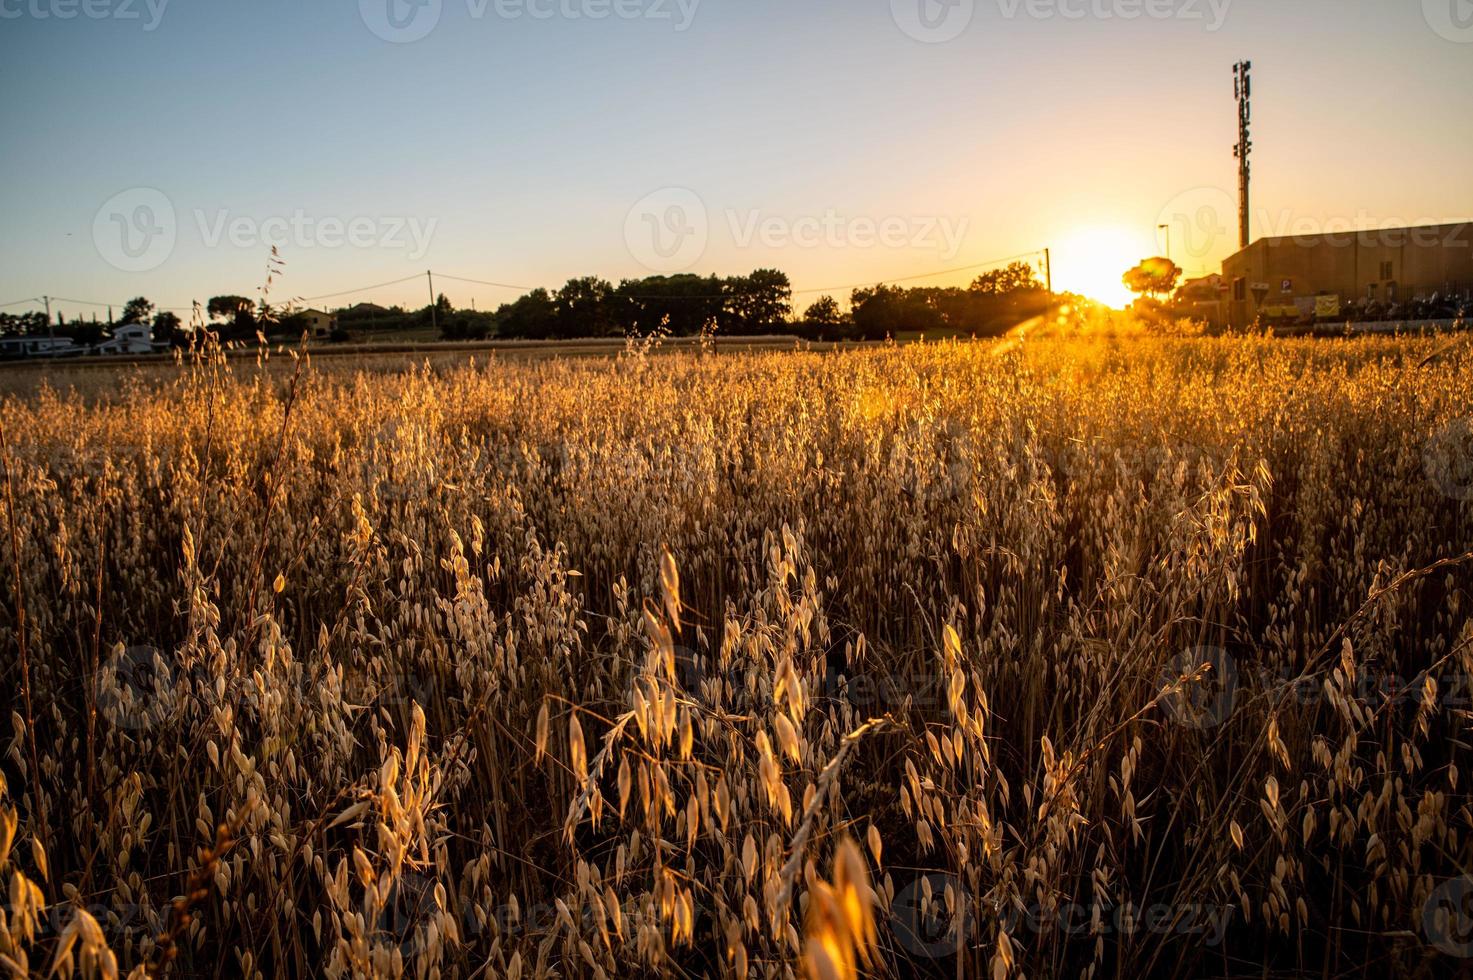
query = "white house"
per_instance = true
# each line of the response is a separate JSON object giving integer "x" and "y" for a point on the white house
{"x": 131, "y": 338}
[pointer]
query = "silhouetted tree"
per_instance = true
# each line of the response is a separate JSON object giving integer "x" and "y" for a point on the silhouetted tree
{"x": 23, "y": 324}
{"x": 82, "y": 332}
{"x": 1154, "y": 277}
{"x": 1015, "y": 278}
{"x": 885, "y": 311}
{"x": 585, "y": 308}
{"x": 531, "y": 317}
{"x": 138, "y": 310}
{"x": 825, "y": 321}
{"x": 758, "y": 303}
{"x": 236, "y": 314}
{"x": 686, "y": 303}
{"x": 167, "y": 327}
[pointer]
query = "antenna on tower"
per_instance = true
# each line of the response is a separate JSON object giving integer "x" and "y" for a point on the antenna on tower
{"x": 1243, "y": 92}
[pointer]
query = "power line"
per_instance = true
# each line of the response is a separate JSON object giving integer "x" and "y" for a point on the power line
{"x": 360, "y": 289}
{"x": 33, "y": 299}
{"x": 88, "y": 302}
{"x": 483, "y": 282}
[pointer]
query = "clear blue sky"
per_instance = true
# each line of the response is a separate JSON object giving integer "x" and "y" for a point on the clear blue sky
{"x": 518, "y": 145}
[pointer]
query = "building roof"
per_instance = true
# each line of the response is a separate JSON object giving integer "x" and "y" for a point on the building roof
{"x": 1427, "y": 235}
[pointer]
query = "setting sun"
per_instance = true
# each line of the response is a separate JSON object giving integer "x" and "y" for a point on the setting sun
{"x": 1091, "y": 262}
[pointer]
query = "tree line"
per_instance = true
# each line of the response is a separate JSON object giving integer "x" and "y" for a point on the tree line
{"x": 760, "y": 303}
{"x": 591, "y": 307}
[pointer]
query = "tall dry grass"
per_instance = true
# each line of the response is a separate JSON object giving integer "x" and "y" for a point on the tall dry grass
{"x": 1119, "y": 658}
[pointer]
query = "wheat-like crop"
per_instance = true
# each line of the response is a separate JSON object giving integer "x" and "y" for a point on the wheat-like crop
{"x": 1076, "y": 657}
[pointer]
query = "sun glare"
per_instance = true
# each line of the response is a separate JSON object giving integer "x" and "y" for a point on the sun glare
{"x": 1091, "y": 262}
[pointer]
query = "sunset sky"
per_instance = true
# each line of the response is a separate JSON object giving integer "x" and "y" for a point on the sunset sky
{"x": 843, "y": 141}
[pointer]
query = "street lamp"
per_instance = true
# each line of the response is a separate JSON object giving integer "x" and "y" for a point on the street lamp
{"x": 1167, "y": 229}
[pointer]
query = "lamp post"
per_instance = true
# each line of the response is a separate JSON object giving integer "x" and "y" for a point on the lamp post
{"x": 1167, "y": 229}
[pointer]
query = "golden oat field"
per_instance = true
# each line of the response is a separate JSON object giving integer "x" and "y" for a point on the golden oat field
{"x": 1072, "y": 657}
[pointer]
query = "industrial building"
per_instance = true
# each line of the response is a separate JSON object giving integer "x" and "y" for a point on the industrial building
{"x": 1335, "y": 274}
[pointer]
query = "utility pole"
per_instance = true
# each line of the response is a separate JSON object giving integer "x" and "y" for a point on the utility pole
{"x": 50, "y": 330}
{"x": 1243, "y": 92}
{"x": 1048, "y": 272}
{"x": 1167, "y": 229}
{"x": 434, "y": 313}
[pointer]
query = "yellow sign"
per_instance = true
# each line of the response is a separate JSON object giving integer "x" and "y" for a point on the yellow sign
{"x": 1326, "y": 306}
